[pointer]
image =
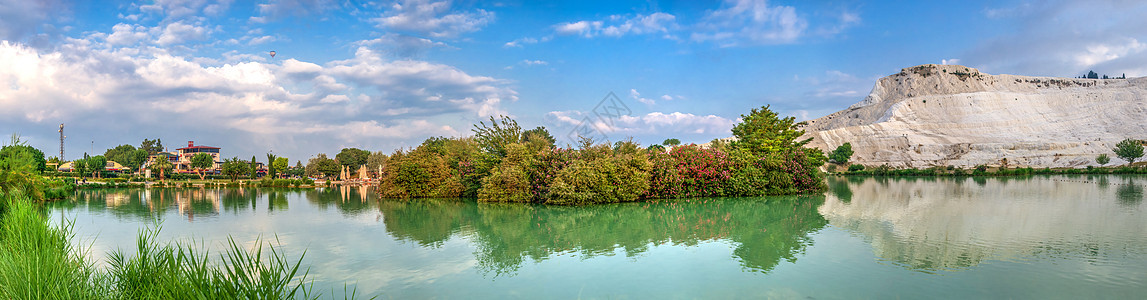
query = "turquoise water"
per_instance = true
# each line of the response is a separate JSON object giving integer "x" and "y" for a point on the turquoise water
{"x": 866, "y": 238}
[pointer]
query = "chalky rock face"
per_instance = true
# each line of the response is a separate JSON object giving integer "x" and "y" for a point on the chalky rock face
{"x": 941, "y": 115}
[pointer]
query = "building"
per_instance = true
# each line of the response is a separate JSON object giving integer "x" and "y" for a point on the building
{"x": 183, "y": 164}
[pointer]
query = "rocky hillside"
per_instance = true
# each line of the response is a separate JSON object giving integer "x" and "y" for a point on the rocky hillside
{"x": 940, "y": 115}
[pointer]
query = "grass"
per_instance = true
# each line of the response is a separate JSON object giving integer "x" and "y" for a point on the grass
{"x": 38, "y": 261}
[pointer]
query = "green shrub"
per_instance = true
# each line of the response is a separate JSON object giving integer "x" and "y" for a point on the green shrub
{"x": 855, "y": 167}
{"x": 601, "y": 177}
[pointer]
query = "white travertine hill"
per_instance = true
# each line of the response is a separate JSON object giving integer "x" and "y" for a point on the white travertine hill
{"x": 940, "y": 115}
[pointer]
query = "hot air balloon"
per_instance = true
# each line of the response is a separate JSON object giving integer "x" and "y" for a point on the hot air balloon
{"x": 272, "y": 54}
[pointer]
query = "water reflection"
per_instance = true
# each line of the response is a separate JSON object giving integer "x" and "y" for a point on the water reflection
{"x": 765, "y": 232}
{"x": 933, "y": 224}
{"x": 193, "y": 203}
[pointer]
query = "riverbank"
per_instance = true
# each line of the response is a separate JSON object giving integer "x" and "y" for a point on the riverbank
{"x": 987, "y": 171}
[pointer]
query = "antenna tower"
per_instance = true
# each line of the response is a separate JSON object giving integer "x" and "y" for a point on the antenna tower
{"x": 61, "y": 141}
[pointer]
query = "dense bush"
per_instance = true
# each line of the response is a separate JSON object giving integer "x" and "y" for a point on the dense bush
{"x": 854, "y": 168}
{"x": 602, "y": 175}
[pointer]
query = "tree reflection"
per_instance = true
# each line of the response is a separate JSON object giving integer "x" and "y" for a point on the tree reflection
{"x": 765, "y": 230}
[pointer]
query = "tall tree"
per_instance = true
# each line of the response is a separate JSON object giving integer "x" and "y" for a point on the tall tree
{"x": 201, "y": 162}
{"x": 80, "y": 166}
{"x": 271, "y": 165}
{"x": 352, "y": 158}
{"x": 151, "y": 146}
{"x": 254, "y": 168}
{"x": 671, "y": 142}
{"x": 1129, "y": 150}
{"x": 126, "y": 155}
{"x": 493, "y": 138}
{"x": 161, "y": 166}
{"x": 763, "y": 132}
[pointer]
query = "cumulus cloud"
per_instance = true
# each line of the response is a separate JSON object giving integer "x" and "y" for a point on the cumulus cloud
{"x": 366, "y": 99}
{"x": 179, "y": 33}
{"x": 637, "y": 97}
{"x": 435, "y": 19}
{"x": 617, "y": 26}
{"x": 1072, "y": 37}
{"x": 751, "y": 22}
{"x": 651, "y": 124}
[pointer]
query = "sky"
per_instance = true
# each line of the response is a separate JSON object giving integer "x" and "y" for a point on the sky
{"x": 383, "y": 75}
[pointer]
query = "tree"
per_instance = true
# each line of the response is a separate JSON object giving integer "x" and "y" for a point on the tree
{"x": 1102, "y": 159}
{"x": 494, "y": 138}
{"x": 234, "y": 168}
{"x": 375, "y": 161}
{"x": 35, "y": 156}
{"x": 352, "y": 157}
{"x": 671, "y": 142}
{"x": 127, "y": 155}
{"x": 254, "y": 169}
{"x": 324, "y": 166}
{"x": 201, "y": 162}
{"x": 80, "y": 166}
{"x": 842, "y": 154}
{"x": 762, "y": 132}
{"x": 1129, "y": 150}
{"x": 96, "y": 164}
{"x": 1092, "y": 75}
{"x": 151, "y": 146}
{"x": 161, "y": 166}
{"x": 271, "y": 165}
{"x": 538, "y": 138}
{"x": 280, "y": 164}
{"x": 18, "y": 170}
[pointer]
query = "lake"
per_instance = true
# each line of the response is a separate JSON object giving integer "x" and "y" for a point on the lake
{"x": 1064, "y": 237}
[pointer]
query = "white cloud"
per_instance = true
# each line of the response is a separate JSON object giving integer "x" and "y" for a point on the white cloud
{"x": 751, "y": 22}
{"x": 618, "y": 26}
{"x": 952, "y": 61}
{"x": 1070, "y": 38}
{"x": 519, "y": 42}
{"x": 125, "y": 34}
{"x": 654, "y": 123}
{"x": 637, "y": 96}
{"x": 402, "y": 45}
{"x": 433, "y": 18}
{"x": 583, "y": 28}
{"x": 534, "y": 62}
{"x": 261, "y": 40}
{"x": 366, "y": 100}
{"x": 179, "y": 33}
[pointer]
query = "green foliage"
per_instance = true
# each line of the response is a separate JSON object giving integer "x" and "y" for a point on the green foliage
{"x": 127, "y": 155}
{"x": 18, "y": 171}
{"x": 762, "y": 132}
{"x": 280, "y": 164}
{"x": 671, "y": 142}
{"x": 538, "y": 138}
{"x": 375, "y": 161}
{"x": 95, "y": 164}
{"x": 419, "y": 174}
{"x": 271, "y": 171}
{"x": 601, "y": 175}
{"x": 509, "y": 181}
{"x": 161, "y": 167}
{"x": 201, "y": 162}
{"x": 855, "y": 167}
{"x": 151, "y": 146}
{"x": 352, "y": 157}
{"x": 234, "y": 168}
{"x": 493, "y": 138}
{"x": 842, "y": 154}
{"x": 18, "y": 149}
{"x": 38, "y": 261}
{"x": 1102, "y": 159}
{"x": 1129, "y": 150}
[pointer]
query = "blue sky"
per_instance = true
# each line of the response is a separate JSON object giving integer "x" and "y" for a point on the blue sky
{"x": 383, "y": 75}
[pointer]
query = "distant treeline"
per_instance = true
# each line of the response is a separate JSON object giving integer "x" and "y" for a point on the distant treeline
{"x": 1093, "y": 75}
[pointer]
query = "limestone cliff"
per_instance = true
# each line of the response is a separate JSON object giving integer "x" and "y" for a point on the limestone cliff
{"x": 940, "y": 115}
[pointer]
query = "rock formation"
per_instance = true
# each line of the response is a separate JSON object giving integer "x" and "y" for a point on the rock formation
{"x": 941, "y": 115}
